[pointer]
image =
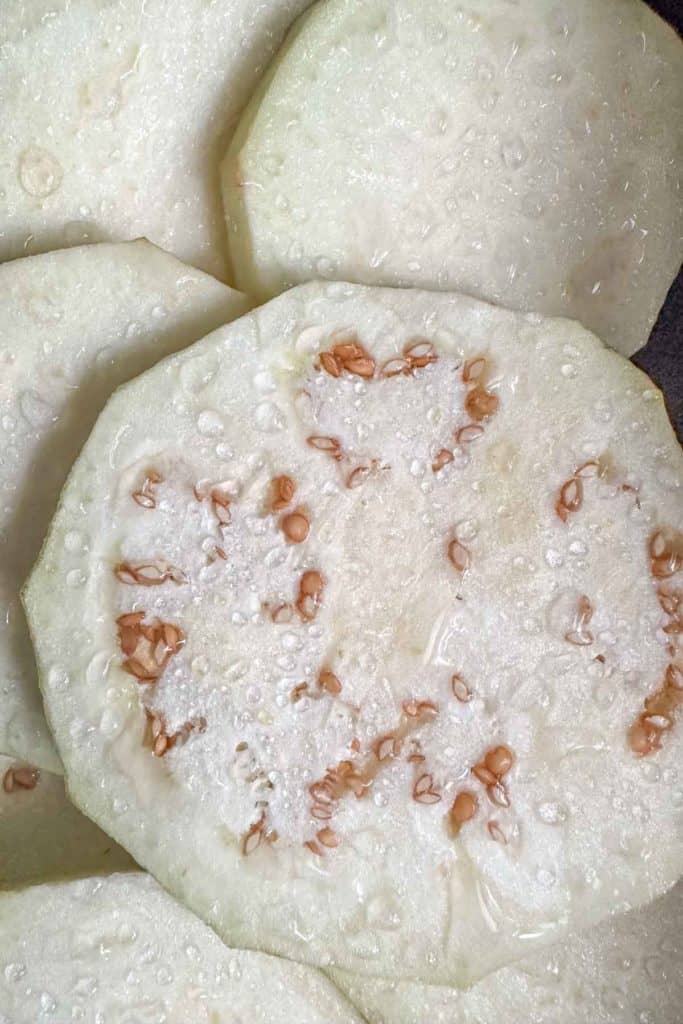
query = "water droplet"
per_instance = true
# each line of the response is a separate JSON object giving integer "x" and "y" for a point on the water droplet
{"x": 40, "y": 173}
{"x": 8, "y": 423}
{"x": 79, "y": 232}
{"x": 196, "y": 373}
{"x": 74, "y": 541}
{"x": 14, "y": 972}
{"x": 159, "y": 312}
{"x": 47, "y": 1003}
{"x": 603, "y": 411}
{"x": 546, "y": 878}
{"x": 324, "y": 266}
{"x": 552, "y": 813}
{"x": 514, "y": 152}
{"x": 57, "y": 678}
{"x": 554, "y": 558}
{"x": 35, "y": 409}
{"x": 76, "y": 578}
{"x": 568, "y": 370}
{"x": 210, "y": 423}
{"x": 268, "y": 417}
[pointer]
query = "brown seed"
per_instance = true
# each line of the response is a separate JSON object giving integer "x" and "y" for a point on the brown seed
{"x": 314, "y": 848}
{"x": 499, "y": 761}
{"x": 481, "y": 404}
{"x": 358, "y": 476}
{"x": 328, "y": 682}
{"x": 252, "y": 840}
{"x": 160, "y": 745}
{"x": 330, "y": 445}
{"x": 385, "y": 747}
{"x": 481, "y": 772}
{"x": 571, "y": 494}
{"x": 420, "y": 353}
{"x": 282, "y": 490}
{"x": 297, "y": 692}
{"x": 579, "y": 639}
{"x": 328, "y": 837}
{"x": 467, "y": 434}
{"x": 474, "y": 369}
{"x": 296, "y": 527}
{"x": 311, "y": 584}
{"x": 282, "y": 613}
{"x": 321, "y": 812}
{"x": 498, "y": 795}
{"x": 330, "y": 364}
{"x": 364, "y": 366}
{"x": 395, "y": 367}
{"x": 144, "y": 500}
{"x": 464, "y": 808}
{"x": 20, "y": 777}
{"x": 347, "y": 350}
{"x": 423, "y": 784}
{"x": 460, "y": 689}
{"x": 588, "y": 469}
{"x": 220, "y": 503}
{"x": 459, "y": 556}
{"x": 443, "y": 457}
{"x": 496, "y": 833}
{"x": 8, "y": 781}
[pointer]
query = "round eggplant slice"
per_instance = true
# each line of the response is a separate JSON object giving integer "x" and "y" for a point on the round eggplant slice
{"x": 74, "y": 324}
{"x": 371, "y": 652}
{"x": 527, "y": 153}
{"x": 627, "y": 969}
{"x": 115, "y": 117}
{"x": 120, "y": 949}
{"x": 42, "y": 835}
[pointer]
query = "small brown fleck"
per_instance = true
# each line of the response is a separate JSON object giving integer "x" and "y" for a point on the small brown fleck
{"x": 296, "y": 526}
{"x": 458, "y": 556}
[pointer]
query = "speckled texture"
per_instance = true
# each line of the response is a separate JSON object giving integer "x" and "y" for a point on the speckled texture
{"x": 121, "y": 951}
{"x": 589, "y": 828}
{"x": 115, "y": 116}
{"x": 626, "y": 971}
{"x": 73, "y": 326}
{"x": 526, "y": 153}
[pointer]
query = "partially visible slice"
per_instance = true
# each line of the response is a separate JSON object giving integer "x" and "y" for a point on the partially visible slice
{"x": 73, "y": 326}
{"x": 119, "y": 950}
{"x": 527, "y": 153}
{"x": 43, "y": 837}
{"x": 375, "y": 657}
{"x": 628, "y": 969}
{"x": 115, "y": 117}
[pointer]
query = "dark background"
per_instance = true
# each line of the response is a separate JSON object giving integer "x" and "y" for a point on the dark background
{"x": 662, "y": 357}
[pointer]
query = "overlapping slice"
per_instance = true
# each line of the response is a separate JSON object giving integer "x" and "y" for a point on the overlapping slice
{"x": 42, "y": 835}
{"x": 74, "y": 324}
{"x": 524, "y": 152}
{"x": 374, "y": 654}
{"x": 629, "y": 969}
{"x": 115, "y": 118}
{"x": 120, "y": 949}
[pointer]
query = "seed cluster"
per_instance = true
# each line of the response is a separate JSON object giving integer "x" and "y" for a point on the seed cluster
{"x": 490, "y": 771}
{"x": 145, "y": 496}
{"x": 148, "y": 646}
{"x": 665, "y": 550}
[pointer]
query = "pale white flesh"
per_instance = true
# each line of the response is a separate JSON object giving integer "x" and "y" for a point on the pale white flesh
{"x": 73, "y": 326}
{"x": 590, "y": 828}
{"x": 119, "y": 949}
{"x": 527, "y": 153}
{"x": 116, "y": 115}
{"x": 44, "y": 838}
{"x": 629, "y": 969}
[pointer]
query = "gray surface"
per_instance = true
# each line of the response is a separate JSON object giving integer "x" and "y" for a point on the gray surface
{"x": 662, "y": 357}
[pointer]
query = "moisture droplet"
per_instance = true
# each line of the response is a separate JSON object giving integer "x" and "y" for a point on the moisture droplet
{"x": 552, "y": 813}
{"x": 35, "y": 410}
{"x": 74, "y": 541}
{"x": 40, "y": 173}
{"x": 196, "y": 373}
{"x": 268, "y": 417}
{"x": 111, "y": 723}
{"x": 568, "y": 370}
{"x": 14, "y": 972}
{"x": 79, "y": 232}
{"x": 75, "y": 578}
{"x": 210, "y": 423}
{"x": 514, "y": 152}
{"x": 57, "y": 678}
